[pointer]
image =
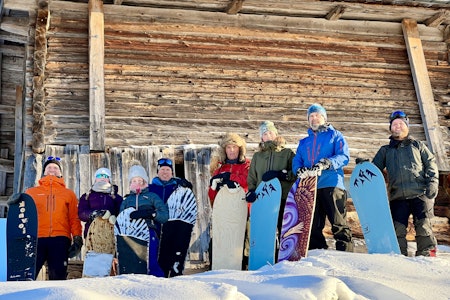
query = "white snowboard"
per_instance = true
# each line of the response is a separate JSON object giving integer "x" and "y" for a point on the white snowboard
{"x": 229, "y": 217}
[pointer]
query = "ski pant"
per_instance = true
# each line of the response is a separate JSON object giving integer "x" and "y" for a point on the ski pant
{"x": 54, "y": 251}
{"x": 331, "y": 202}
{"x": 174, "y": 244}
{"x": 422, "y": 211}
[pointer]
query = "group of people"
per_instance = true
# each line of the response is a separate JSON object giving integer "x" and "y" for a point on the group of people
{"x": 60, "y": 214}
{"x": 410, "y": 166}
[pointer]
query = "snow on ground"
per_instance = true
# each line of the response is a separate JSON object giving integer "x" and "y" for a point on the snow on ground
{"x": 324, "y": 274}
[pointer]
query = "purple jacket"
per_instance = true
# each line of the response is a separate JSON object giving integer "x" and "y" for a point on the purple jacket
{"x": 98, "y": 201}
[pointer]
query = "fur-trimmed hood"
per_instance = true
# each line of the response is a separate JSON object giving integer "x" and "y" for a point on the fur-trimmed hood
{"x": 219, "y": 155}
{"x": 277, "y": 144}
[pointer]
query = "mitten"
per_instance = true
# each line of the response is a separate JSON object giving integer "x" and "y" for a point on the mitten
{"x": 143, "y": 213}
{"x": 282, "y": 175}
{"x": 302, "y": 172}
{"x": 317, "y": 169}
{"x": 269, "y": 175}
{"x": 250, "y": 197}
{"x": 360, "y": 160}
{"x": 183, "y": 182}
{"x": 97, "y": 213}
{"x": 75, "y": 248}
{"x": 106, "y": 215}
{"x": 432, "y": 190}
{"x": 112, "y": 219}
{"x": 225, "y": 176}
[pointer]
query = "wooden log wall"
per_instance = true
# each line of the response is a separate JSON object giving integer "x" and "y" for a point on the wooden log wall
{"x": 186, "y": 77}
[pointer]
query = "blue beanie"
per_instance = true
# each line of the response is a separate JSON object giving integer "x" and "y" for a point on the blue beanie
{"x": 318, "y": 109}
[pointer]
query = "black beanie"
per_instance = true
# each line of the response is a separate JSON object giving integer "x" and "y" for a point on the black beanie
{"x": 53, "y": 160}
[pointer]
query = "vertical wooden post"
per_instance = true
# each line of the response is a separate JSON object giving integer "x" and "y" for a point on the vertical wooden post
{"x": 96, "y": 76}
{"x": 18, "y": 143}
{"x": 424, "y": 92}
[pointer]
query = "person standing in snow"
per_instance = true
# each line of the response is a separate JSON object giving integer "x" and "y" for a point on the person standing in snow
{"x": 324, "y": 152}
{"x": 412, "y": 184}
{"x": 59, "y": 228}
{"x": 175, "y": 234}
{"x": 102, "y": 200}
{"x": 229, "y": 167}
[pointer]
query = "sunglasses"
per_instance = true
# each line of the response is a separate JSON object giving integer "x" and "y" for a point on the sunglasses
{"x": 53, "y": 158}
{"x": 164, "y": 161}
{"x": 398, "y": 115}
{"x": 102, "y": 176}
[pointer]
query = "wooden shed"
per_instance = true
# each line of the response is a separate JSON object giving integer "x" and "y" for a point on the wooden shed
{"x": 102, "y": 83}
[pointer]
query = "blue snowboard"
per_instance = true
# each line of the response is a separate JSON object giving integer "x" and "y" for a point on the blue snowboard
{"x": 2, "y": 249}
{"x": 21, "y": 232}
{"x": 369, "y": 195}
{"x": 263, "y": 224}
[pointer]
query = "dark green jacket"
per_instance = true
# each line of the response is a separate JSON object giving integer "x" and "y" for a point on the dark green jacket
{"x": 272, "y": 155}
{"x": 411, "y": 168}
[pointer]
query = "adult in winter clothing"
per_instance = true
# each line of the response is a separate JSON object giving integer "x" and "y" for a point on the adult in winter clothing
{"x": 59, "y": 228}
{"x": 412, "y": 184}
{"x": 229, "y": 167}
{"x": 324, "y": 152}
{"x": 272, "y": 160}
{"x": 150, "y": 207}
{"x": 102, "y": 200}
{"x": 175, "y": 234}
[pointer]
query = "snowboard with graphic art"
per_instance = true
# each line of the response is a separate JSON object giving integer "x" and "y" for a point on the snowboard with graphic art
{"x": 100, "y": 247}
{"x": 297, "y": 219}
{"x": 229, "y": 217}
{"x": 176, "y": 232}
{"x": 263, "y": 224}
{"x": 369, "y": 196}
{"x": 21, "y": 232}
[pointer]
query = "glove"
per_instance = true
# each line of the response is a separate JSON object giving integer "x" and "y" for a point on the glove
{"x": 317, "y": 169}
{"x": 215, "y": 183}
{"x": 250, "y": 197}
{"x": 112, "y": 219}
{"x": 225, "y": 176}
{"x": 97, "y": 213}
{"x": 143, "y": 213}
{"x": 75, "y": 248}
{"x": 14, "y": 198}
{"x": 184, "y": 183}
{"x": 302, "y": 172}
{"x": 432, "y": 190}
{"x": 360, "y": 160}
{"x": 269, "y": 175}
{"x": 106, "y": 215}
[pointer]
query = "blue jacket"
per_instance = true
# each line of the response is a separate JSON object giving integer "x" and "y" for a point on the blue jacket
{"x": 163, "y": 188}
{"x": 328, "y": 143}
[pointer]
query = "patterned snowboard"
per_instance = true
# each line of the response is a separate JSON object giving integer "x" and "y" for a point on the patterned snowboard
{"x": 100, "y": 247}
{"x": 369, "y": 195}
{"x": 229, "y": 217}
{"x": 132, "y": 237}
{"x": 182, "y": 205}
{"x": 263, "y": 224}
{"x": 2, "y": 249}
{"x": 297, "y": 219}
{"x": 21, "y": 232}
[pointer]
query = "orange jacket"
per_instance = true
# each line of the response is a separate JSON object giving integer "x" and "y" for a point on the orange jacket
{"x": 57, "y": 208}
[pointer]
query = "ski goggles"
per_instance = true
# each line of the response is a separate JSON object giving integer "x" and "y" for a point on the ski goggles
{"x": 53, "y": 158}
{"x": 102, "y": 176}
{"x": 164, "y": 162}
{"x": 397, "y": 115}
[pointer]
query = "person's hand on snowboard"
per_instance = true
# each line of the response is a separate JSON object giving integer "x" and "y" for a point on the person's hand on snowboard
{"x": 144, "y": 212}
{"x": 75, "y": 248}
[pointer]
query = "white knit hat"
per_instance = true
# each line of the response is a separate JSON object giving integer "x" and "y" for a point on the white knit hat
{"x": 137, "y": 171}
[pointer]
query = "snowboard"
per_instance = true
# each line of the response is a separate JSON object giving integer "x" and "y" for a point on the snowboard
{"x": 132, "y": 239}
{"x": 21, "y": 232}
{"x": 297, "y": 219}
{"x": 177, "y": 231}
{"x": 369, "y": 195}
{"x": 263, "y": 224}
{"x": 2, "y": 249}
{"x": 229, "y": 217}
{"x": 100, "y": 247}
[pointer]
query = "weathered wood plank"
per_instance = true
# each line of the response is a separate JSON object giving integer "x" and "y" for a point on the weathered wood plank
{"x": 96, "y": 76}
{"x": 424, "y": 93}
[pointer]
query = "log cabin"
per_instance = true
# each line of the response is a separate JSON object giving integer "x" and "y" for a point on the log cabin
{"x": 103, "y": 83}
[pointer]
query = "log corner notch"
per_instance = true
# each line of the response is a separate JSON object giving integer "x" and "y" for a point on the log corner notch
{"x": 40, "y": 55}
{"x": 234, "y": 7}
{"x": 96, "y": 76}
{"x": 424, "y": 92}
